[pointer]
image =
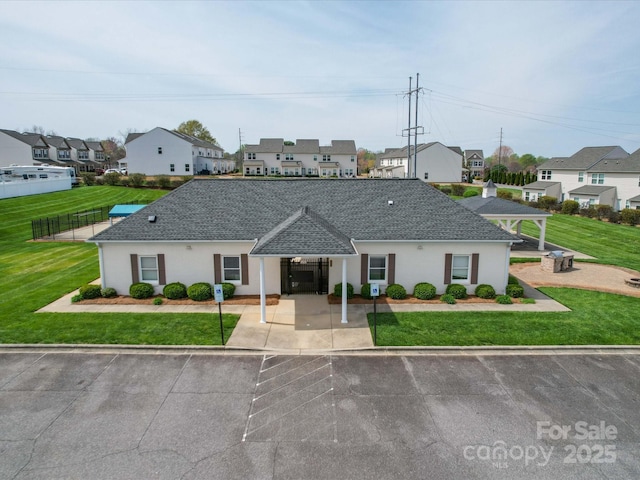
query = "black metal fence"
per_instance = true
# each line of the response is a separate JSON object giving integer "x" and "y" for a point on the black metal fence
{"x": 49, "y": 227}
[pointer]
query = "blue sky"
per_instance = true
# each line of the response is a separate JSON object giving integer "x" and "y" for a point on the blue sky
{"x": 555, "y": 76}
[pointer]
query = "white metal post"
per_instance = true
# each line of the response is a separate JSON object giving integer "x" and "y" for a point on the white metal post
{"x": 344, "y": 290}
{"x": 263, "y": 298}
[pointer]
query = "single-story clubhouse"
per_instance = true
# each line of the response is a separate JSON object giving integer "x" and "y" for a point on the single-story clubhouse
{"x": 304, "y": 236}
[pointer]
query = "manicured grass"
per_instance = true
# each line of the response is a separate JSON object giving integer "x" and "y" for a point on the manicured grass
{"x": 596, "y": 319}
{"x": 609, "y": 243}
{"x": 33, "y": 274}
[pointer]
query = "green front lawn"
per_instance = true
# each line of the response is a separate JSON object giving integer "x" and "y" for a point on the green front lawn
{"x": 609, "y": 243}
{"x": 596, "y": 319}
{"x": 33, "y": 274}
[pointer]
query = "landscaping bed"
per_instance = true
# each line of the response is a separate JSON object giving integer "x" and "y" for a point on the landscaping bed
{"x": 358, "y": 300}
{"x": 127, "y": 300}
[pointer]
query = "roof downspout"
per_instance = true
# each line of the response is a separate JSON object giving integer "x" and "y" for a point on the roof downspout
{"x": 103, "y": 281}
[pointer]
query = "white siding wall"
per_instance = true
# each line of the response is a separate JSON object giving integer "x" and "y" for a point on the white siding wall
{"x": 14, "y": 151}
{"x": 627, "y": 186}
{"x": 413, "y": 265}
{"x": 443, "y": 164}
{"x": 143, "y": 157}
{"x": 427, "y": 265}
{"x": 185, "y": 265}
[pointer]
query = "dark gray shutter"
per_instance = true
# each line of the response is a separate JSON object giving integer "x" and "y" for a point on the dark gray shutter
{"x": 135, "y": 277}
{"x": 364, "y": 268}
{"x": 162, "y": 275}
{"x": 391, "y": 269}
{"x": 217, "y": 268}
{"x": 244, "y": 265}
{"x": 474, "y": 267}
{"x": 448, "y": 262}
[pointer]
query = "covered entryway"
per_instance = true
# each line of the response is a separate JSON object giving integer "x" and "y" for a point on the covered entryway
{"x": 304, "y": 275}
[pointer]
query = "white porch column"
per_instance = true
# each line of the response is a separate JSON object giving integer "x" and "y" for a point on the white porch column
{"x": 519, "y": 228}
{"x": 543, "y": 227}
{"x": 344, "y": 290}
{"x": 263, "y": 297}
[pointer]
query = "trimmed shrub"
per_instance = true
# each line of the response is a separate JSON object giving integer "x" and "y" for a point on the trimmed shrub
{"x": 505, "y": 194}
{"x": 199, "y": 292}
{"x": 513, "y": 280}
{"x": 112, "y": 178}
{"x": 124, "y": 181}
{"x": 88, "y": 178}
{"x": 470, "y": 192}
{"x": 515, "y": 291}
{"x": 396, "y": 291}
{"x": 588, "y": 212}
{"x": 157, "y": 301}
{"x": 614, "y": 217}
{"x": 630, "y": 216}
{"x": 109, "y": 292}
{"x": 457, "y": 290}
{"x": 175, "y": 291}
{"x": 137, "y": 179}
{"x": 337, "y": 290}
{"x": 228, "y": 289}
{"x": 151, "y": 183}
{"x": 76, "y": 298}
{"x": 603, "y": 211}
{"x": 445, "y": 190}
{"x": 546, "y": 202}
{"x": 504, "y": 300}
{"x": 570, "y": 207}
{"x": 485, "y": 291}
{"x": 90, "y": 291}
{"x": 163, "y": 181}
{"x": 365, "y": 291}
{"x": 141, "y": 290}
{"x": 457, "y": 189}
{"x": 448, "y": 298}
{"x": 424, "y": 291}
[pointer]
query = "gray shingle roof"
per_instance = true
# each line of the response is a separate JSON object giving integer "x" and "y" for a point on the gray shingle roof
{"x": 635, "y": 199}
{"x": 539, "y": 185}
{"x": 33, "y": 139}
{"x": 305, "y": 233}
{"x": 243, "y": 209}
{"x": 591, "y": 189}
{"x": 499, "y": 206}
{"x": 303, "y": 146}
{"x": 267, "y": 145}
{"x": 630, "y": 164}
{"x": 583, "y": 159}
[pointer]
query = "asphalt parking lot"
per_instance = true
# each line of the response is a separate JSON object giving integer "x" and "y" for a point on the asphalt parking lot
{"x": 147, "y": 416}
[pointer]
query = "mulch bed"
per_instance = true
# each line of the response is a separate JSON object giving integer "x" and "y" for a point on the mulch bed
{"x": 236, "y": 300}
{"x": 358, "y": 300}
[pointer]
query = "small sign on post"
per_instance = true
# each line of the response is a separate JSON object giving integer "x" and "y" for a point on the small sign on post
{"x": 375, "y": 293}
{"x": 218, "y": 296}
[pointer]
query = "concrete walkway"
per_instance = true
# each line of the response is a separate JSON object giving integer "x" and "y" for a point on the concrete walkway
{"x": 305, "y": 322}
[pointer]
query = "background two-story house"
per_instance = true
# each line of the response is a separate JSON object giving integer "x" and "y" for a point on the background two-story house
{"x": 162, "y": 151}
{"x": 596, "y": 176}
{"x": 305, "y": 158}
{"x": 434, "y": 162}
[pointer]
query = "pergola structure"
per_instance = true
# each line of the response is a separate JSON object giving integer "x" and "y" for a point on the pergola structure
{"x": 507, "y": 214}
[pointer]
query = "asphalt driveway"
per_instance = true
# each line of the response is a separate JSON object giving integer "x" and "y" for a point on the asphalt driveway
{"x": 137, "y": 416}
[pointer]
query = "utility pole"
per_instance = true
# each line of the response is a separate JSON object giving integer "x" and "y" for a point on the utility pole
{"x": 411, "y": 169}
{"x": 500, "y": 149}
{"x": 409, "y": 134}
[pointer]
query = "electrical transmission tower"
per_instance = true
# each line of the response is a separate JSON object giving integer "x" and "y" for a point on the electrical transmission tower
{"x": 416, "y": 130}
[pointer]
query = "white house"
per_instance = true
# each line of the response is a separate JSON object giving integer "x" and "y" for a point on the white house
{"x": 23, "y": 148}
{"x": 305, "y": 158}
{"x": 534, "y": 190}
{"x": 162, "y": 151}
{"x": 596, "y": 175}
{"x": 435, "y": 163}
{"x": 304, "y": 236}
